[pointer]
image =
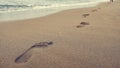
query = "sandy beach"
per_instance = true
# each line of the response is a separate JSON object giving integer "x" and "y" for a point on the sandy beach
{"x": 77, "y": 38}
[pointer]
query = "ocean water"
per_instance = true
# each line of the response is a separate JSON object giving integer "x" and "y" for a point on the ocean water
{"x": 25, "y": 9}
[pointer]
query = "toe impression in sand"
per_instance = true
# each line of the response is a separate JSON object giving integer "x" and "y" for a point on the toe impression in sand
{"x": 26, "y": 55}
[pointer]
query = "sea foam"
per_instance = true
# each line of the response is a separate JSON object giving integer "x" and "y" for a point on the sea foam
{"x": 39, "y": 9}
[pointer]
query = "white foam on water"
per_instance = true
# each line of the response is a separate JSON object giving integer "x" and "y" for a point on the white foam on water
{"x": 42, "y": 10}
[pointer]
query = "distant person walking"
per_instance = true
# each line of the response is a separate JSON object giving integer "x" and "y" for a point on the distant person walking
{"x": 111, "y": 0}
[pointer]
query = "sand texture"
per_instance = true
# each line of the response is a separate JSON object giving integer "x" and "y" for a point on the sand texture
{"x": 78, "y": 38}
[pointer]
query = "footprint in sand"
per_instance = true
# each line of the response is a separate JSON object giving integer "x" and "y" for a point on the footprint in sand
{"x": 82, "y": 24}
{"x": 27, "y": 54}
{"x": 94, "y": 10}
{"x": 85, "y": 15}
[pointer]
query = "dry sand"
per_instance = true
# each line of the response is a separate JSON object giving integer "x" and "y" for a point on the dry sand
{"x": 82, "y": 38}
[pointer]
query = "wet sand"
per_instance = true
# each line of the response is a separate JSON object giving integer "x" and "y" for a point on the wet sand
{"x": 81, "y": 38}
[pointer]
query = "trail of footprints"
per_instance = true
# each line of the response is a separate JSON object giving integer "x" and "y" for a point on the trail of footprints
{"x": 83, "y": 23}
{"x": 25, "y": 56}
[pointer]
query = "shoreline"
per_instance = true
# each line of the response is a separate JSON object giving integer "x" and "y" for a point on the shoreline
{"x": 30, "y": 14}
{"x": 79, "y": 38}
